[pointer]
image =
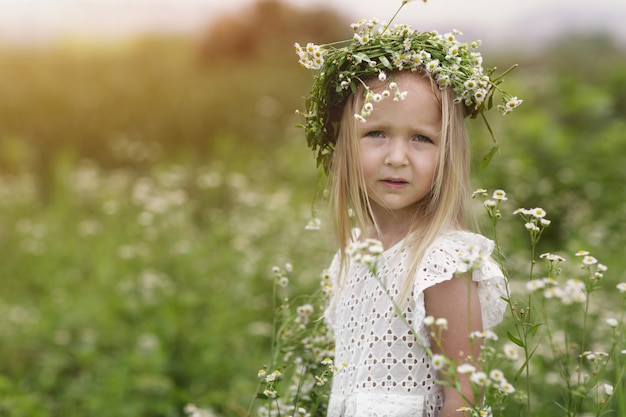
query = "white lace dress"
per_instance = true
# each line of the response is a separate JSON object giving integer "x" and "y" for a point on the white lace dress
{"x": 388, "y": 373}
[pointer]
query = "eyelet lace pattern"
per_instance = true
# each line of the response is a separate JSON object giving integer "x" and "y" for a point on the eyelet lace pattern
{"x": 388, "y": 372}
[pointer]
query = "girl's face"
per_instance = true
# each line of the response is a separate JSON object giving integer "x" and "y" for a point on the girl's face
{"x": 400, "y": 147}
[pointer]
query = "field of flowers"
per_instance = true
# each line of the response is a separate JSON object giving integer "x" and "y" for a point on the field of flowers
{"x": 133, "y": 294}
{"x": 145, "y": 203}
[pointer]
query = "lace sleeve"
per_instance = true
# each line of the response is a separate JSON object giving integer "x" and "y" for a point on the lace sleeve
{"x": 459, "y": 252}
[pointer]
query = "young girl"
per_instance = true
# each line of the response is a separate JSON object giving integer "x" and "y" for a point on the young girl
{"x": 386, "y": 119}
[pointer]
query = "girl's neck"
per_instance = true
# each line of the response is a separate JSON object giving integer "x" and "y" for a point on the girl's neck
{"x": 391, "y": 231}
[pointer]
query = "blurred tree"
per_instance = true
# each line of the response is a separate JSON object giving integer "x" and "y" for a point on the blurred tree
{"x": 255, "y": 82}
{"x": 267, "y": 30}
{"x": 145, "y": 99}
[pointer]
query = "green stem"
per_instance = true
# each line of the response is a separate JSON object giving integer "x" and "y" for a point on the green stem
{"x": 496, "y": 79}
{"x": 394, "y": 15}
{"x": 525, "y": 325}
{"x": 299, "y": 390}
{"x": 493, "y": 136}
{"x": 566, "y": 365}
{"x": 272, "y": 344}
{"x": 620, "y": 369}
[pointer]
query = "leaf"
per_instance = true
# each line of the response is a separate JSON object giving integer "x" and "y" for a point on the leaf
{"x": 520, "y": 370}
{"x": 385, "y": 62}
{"x": 489, "y": 102}
{"x": 533, "y": 329}
{"x": 487, "y": 158}
{"x": 360, "y": 57}
{"x": 525, "y": 364}
{"x": 514, "y": 339}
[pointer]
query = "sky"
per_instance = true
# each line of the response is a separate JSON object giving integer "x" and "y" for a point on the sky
{"x": 495, "y": 22}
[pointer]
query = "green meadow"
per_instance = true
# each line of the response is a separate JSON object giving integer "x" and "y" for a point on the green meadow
{"x": 147, "y": 188}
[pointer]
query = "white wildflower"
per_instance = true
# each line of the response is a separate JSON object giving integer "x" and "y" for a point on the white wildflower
{"x": 552, "y": 257}
{"x": 305, "y": 310}
{"x": 432, "y": 66}
{"x": 538, "y": 212}
{"x": 313, "y": 224}
{"x": 441, "y": 322}
{"x": 283, "y": 281}
{"x": 269, "y": 393}
{"x": 438, "y": 361}
{"x": 589, "y": 260}
{"x": 510, "y": 351}
{"x": 496, "y": 375}
{"x": 479, "y": 378}
{"x": 327, "y": 361}
{"x": 273, "y": 376}
{"x": 523, "y": 212}
{"x": 531, "y": 227}
{"x": 466, "y": 368}
{"x": 535, "y": 284}
{"x": 506, "y": 387}
{"x": 499, "y": 195}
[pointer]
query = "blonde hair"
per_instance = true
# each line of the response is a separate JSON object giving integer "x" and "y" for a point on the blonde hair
{"x": 443, "y": 209}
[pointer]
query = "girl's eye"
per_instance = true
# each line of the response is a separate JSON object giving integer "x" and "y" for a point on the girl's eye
{"x": 375, "y": 134}
{"x": 422, "y": 138}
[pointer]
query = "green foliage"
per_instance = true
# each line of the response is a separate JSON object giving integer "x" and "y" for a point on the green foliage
{"x": 296, "y": 380}
{"x": 573, "y": 341}
{"x": 147, "y": 188}
{"x": 133, "y": 294}
{"x": 564, "y": 148}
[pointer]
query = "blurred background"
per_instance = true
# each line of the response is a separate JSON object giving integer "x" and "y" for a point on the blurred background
{"x": 151, "y": 175}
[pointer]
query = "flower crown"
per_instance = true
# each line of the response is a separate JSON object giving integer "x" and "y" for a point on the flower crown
{"x": 375, "y": 48}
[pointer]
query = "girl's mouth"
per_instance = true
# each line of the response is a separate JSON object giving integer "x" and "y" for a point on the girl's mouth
{"x": 394, "y": 182}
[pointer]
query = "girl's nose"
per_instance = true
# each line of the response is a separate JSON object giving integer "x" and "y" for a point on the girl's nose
{"x": 396, "y": 153}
